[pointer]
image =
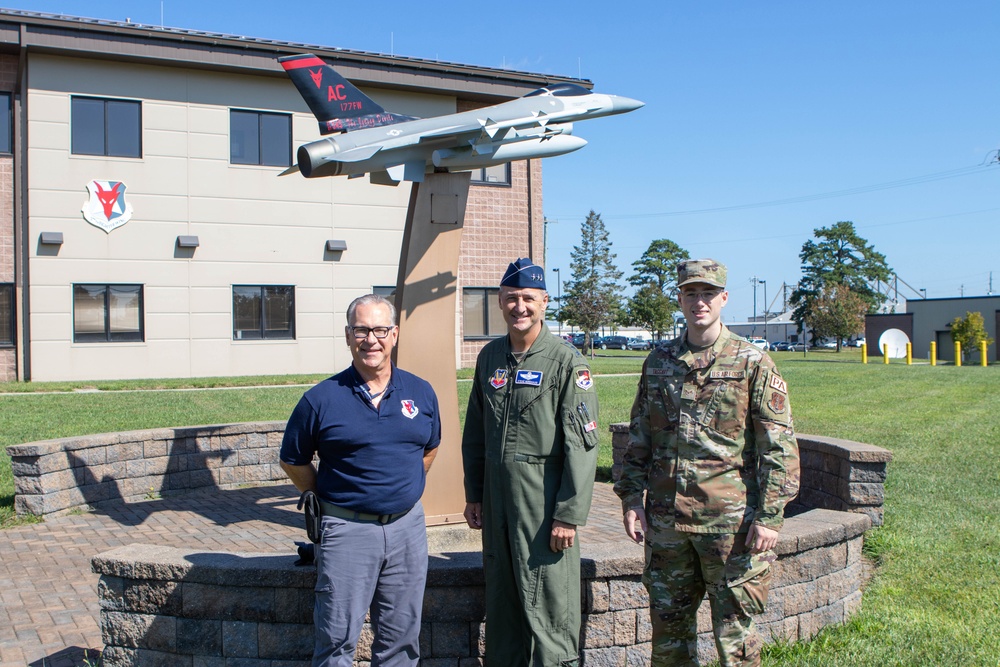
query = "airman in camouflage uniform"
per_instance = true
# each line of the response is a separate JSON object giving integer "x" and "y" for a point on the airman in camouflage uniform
{"x": 712, "y": 447}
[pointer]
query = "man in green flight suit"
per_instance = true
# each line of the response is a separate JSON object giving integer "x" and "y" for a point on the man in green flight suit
{"x": 530, "y": 453}
{"x": 711, "y": 445}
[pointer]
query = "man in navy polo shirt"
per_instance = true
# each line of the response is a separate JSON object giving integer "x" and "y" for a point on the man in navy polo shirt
{"x": 375, "y": 429}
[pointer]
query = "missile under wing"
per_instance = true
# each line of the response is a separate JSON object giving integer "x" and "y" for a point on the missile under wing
{"x": 393, "y": 147}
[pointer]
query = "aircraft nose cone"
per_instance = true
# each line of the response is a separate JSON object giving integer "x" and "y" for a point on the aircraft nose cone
{"x": 625, "y": 104}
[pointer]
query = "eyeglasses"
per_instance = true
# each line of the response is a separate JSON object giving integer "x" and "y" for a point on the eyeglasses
{"x": 701, "y": 296}
{"x": 362, "y": 332}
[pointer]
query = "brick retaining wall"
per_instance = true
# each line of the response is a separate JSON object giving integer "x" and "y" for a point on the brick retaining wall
{"x": 55, "y": 476}
{"x": 162, "y": 606}
{"x": 165, "y": 606}
{"x": 837, "y": 474}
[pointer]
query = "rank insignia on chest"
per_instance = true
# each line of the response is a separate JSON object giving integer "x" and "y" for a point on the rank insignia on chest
{"x": 499, "y": 378}
{"x": 410, "y": 409}
{"x": 583, "y": 379}
{"x": 531, "y": 378}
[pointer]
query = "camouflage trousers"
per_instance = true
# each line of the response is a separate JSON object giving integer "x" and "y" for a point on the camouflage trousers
{"x": 680, "y": 569}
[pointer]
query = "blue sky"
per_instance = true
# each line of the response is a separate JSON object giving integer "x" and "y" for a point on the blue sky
{"x": 883, "y": 113}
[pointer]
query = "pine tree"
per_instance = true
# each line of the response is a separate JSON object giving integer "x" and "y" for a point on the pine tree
{"x": 592, "y": 295}
{"x": 841, "y": 257}
{"x": 653, "y": 305}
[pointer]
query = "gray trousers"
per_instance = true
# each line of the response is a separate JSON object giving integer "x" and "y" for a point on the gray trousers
{"x": 364, "y": 566}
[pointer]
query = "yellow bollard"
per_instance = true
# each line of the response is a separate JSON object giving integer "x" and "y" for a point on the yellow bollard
{"x": 864, "y": 353}
{"x": 958, "y": 353}
{"x": 909, "y": 354}
{"x": 933, "y": 353}
{"x": 982, "y": 352}
{"x": 885, "y": 353}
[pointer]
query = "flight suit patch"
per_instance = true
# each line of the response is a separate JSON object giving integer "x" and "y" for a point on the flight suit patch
{"x": 583, "y": 379}
{"x": 499, "y": 378}
{"x": 530, "y": 378}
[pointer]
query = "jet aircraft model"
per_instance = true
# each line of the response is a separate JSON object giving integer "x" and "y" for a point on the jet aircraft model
{"x": 393, "y": 148}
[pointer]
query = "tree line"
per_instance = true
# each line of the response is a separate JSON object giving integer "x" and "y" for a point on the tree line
{"x": 840, "y": 274}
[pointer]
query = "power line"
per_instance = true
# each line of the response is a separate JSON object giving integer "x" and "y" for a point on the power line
{"x": 905, "y": 182}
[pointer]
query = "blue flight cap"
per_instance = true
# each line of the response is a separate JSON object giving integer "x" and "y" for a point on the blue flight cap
{"x": 524, "y": 273}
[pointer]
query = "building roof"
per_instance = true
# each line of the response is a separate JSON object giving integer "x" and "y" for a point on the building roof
{"x": 34, "y": 32}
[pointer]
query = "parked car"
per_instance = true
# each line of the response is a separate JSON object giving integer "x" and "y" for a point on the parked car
{"x": 612, "y": 343}
{"x": 578, "y": 340}
{"x": 796, "y": 347}
{"x": 639, "y": 344}
{"x": 761, "y": 343}
{"x": 858, "y": 342}
{"x": 827, "y": 345}
{"x": 782, "y": 346}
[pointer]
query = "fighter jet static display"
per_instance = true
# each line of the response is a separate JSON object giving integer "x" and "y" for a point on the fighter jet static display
{"x": 393, "y": 148}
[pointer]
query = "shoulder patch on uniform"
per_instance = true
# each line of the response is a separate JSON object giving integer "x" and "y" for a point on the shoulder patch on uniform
{"x": 727, "y": 375}
{"x": 583, "y": 378}
{"x": 778, "y": 384}
{"x": 777, "y": 403}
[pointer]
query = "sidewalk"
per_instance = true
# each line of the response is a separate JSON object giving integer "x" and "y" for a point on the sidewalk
{"x": 49, "y": 610}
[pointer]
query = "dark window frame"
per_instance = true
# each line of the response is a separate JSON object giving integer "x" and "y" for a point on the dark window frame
{"x": 262, "y": 332}
{"x": 77, "y": 124}
{"x": 7, "y": 120}
{"x": 108, "y": 335}
{"x": 259, "y": 160}
{"x": 491, "y": 307}
{"x": 479, "y": 176}
{"x": 7, "y": 333}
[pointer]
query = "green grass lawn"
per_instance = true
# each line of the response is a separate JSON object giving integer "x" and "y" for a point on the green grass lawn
{"x": 935, "y": 599}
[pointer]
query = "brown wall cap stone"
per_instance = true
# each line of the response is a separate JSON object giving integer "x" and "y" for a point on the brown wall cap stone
{"x": 848, "y": 449}
{"x": 617, "y": 559}
{"x": 142, "y": 561}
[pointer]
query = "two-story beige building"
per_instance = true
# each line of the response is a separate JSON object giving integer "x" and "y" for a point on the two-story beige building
{"x": 146, "y": 231}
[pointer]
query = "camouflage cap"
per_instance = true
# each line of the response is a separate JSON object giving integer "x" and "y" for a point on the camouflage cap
{"x": 706, "y": 271}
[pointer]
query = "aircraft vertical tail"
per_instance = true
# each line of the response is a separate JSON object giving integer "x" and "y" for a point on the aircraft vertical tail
{"x": 337, "y": 104}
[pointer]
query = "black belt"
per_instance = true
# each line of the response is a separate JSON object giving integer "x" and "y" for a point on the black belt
{"x": 330, "y": 509}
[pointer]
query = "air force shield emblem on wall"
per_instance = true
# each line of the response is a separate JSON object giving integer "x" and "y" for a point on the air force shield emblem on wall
{"x": 106, "y": 207}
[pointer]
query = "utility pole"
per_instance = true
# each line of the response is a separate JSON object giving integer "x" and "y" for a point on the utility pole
{"x": 764, "y": 283}
{"x": 754, "y": 281}
{"x": 559, "y": 299}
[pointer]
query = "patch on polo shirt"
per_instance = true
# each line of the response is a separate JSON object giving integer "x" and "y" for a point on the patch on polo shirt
{"x": 410, "y": 409}
{"x": 531, "y": 378}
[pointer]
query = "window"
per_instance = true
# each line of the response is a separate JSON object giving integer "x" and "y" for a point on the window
{"x": 260, "y": 138}
{"x": 481, "y": 312}
{"x": 496, "y": 175}
{"x": 263, "y": 311}
{"x": 385, "y": 291}
{"x": 106, "y": 127}
{"x": 6, "y": 315}
{"x": 107, "y": 313}
{"x": 6, "y": 127}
